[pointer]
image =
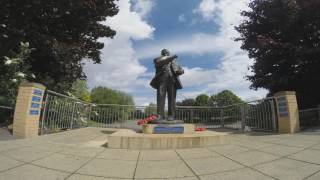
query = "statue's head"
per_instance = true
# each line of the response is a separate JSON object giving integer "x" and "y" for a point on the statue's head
{"x": 165, "y": 52}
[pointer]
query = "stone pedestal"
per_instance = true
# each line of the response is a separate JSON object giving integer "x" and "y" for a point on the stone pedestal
{"x": 27, "y": 110}
{"x": 168, "y": 128}
{"x": 288, "y": 113}
{"x": 128, "y": 139}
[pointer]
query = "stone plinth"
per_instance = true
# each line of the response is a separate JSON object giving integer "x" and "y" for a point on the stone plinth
{"x": 288, "y": 113}
{"x": 168, "y": 128}
{"x": 128, "y": 139}
{"x": 27, "y": 110}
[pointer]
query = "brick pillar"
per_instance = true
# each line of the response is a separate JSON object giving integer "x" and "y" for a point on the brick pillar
{"x": 27, "y": 110}
{"x": 288, "y": 112}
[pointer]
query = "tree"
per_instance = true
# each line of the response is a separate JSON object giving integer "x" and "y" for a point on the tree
{"x": 224, "y": 98}
{"x": 187, "y": 102}
{"x": 112, "y": 106}
{"x": 80, "y": 90}
{"x": 63, "y": 34}
{"x": 202, "y": 100}
{"x": 104, "y": 95}
{"x": 14, "y": 70}
{"x": 283, "y": 38}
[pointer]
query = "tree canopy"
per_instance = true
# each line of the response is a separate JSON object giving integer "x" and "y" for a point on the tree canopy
{"x": 62, "y": 34}
{"x": 202, "y": 100}
{"x": 224, "y": 98}
{"x": 80, "y": 90}
{"x": 283, "y": 36}
{"x": 104, "y": 95}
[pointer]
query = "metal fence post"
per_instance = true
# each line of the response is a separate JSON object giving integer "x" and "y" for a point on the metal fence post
{"x": 319, "y": 112}
{"x": 243, "y": 118}
{"x": 273, "y": 111}
{"x": 44, "y": 112}
{"x": 72, "y": 116}
{"x": 221, "y": 118}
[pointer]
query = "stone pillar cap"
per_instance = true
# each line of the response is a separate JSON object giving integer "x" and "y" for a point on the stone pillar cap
{"x": 32, "y": 84}
{"x": 283, "y": 93}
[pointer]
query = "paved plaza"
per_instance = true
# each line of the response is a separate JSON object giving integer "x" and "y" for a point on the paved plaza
{"x": 82, "y": 154}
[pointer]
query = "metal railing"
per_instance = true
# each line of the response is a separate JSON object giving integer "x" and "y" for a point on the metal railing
{"x": 6, "y": 115}
{"x": 62, "y": 112}
{"x": 309, "y": 118}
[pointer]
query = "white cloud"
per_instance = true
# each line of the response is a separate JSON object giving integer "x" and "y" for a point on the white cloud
{"x": 120, "y": 69}
{"x": 207, "y": 8}
{"x": 182, "y": 18}
{"x": 143, "y": 7}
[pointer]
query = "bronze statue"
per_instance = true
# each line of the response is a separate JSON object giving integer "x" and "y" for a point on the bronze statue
{"x": 167, "y": 82}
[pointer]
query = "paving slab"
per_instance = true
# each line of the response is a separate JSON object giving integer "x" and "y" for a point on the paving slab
{"x": 7, "y": 163}
{"x": 280, "y": 150}
{"x": 251, "y": 158}
{"x": 119, "y": 154}
{"x": 158, "y": 155}
{"x": 196, "y": 153}
{"x": 315, "y": 176}
{"x": 308, "y": 155}
{"x": 298, "y": 143}
{"x": 252, "y": 144}
{"x": 27, "y": 154}
{"x": 109, "y": 168}
{"x": 86, "y": 177}
{"x": 287, "y": 169}
{"x": 212, "y": 165}
{"x": 63, "y": 162}
{"x": 30, "y": 172}
{"x": 162, "y": 169}
{"x": 83, "y": 151}
{"x": 238, "y": 174}
{"x": 228, "y": 149}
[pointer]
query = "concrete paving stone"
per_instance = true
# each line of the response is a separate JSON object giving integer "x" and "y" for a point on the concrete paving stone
{"x": 86, "y": 177}
{"x": 83, "y": 151}
{"x": 63, "y": 162}
{"x": 212, "y": 165}
{"x": 228, "y": 149}
{"x": 239, "y": 174}
{"x": 316, "y": 147}
{"x": 287, "y": 169}
{"x": 280, "y": 150}
{"x": 298, "y": 143}
{"x": 308, "y": 155}
{"x": 109, "y": 168}
{"x": 251, "y": 158}
{"x": 30, "y": 172}
{"x": 158, "y": 155}
{"x": 162, "y": 169}
{"x": 27, "y": 154}
{"x": 182, "y": 178}
{"x": 252, "y": 144}
{"x": 50, "y": 147}
{"x": 196, "y": 153}
{"x": 7, "y": 163}
{"x": 119, "y": 154}
{"x": 4, "y": 146}
{"x": 315, "y": 176}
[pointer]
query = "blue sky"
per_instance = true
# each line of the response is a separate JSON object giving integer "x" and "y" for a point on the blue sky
{"x": 200, "y": 32}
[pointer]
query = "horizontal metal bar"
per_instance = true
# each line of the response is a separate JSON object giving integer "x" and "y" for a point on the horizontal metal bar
{"x": 7, "y": 107}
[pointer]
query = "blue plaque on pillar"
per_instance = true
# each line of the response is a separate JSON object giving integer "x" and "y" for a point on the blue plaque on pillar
{"x": 168, "y": 130}
{"x": 37, "y": 92}
{"x": 36, "y": 99}
{"x": 34, "y": 112}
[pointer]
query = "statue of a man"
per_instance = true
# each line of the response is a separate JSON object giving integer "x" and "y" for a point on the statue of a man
{"x": 166, "y": 81}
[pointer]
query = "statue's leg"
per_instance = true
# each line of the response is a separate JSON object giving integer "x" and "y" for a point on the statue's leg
{"x": 171, "y": 100}
{"x": 161, "y": 99}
